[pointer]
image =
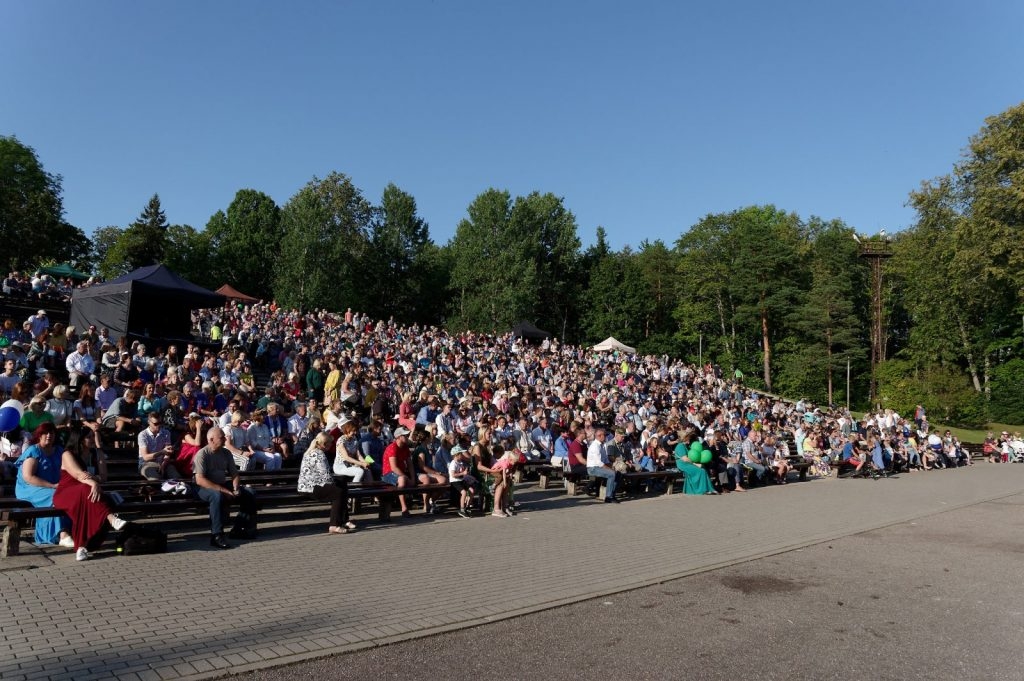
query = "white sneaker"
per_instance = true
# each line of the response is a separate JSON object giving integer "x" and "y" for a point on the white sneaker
{"x": 67, "y": 542}
{"x": 81, "y": 554}
{"x": 117, "y": 523}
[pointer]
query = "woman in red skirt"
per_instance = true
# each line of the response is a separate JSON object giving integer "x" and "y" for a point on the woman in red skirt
{"x": 79, "y": 495}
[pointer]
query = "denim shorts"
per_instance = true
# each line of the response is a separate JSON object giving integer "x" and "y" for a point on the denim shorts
{"x": 391, "y": 478}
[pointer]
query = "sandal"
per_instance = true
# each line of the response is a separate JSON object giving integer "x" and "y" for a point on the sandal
{"x": 337, "y": 530}
{"x": 350, "y": 526}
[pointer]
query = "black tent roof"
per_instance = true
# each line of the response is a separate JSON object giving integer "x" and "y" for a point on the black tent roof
{"x": 525, "y": 329}
{"x": 156, "y": 280}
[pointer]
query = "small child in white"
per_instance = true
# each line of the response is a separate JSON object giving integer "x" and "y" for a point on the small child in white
{"x": 458, "y": 474}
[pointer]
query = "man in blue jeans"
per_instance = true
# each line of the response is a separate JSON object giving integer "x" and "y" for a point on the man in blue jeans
{"x": 598, "y": 466}
{"x": 751, "y": 454}
{"x": 216, "y": 476}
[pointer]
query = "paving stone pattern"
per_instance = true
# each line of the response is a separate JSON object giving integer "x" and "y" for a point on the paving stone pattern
{"x": 200, "y": 613}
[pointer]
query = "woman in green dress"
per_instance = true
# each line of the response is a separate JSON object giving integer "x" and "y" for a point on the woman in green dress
{"x": 688, "y": 455}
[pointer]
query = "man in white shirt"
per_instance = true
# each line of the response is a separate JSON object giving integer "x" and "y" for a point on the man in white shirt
{"x": 80, "y": 364}
{"x": 598, "y": 466}
{"x": 298, "y": 421}
{"x": 9, "y": 378}
{"x": 39, "y": 323}
{"x": 444, "y": 421}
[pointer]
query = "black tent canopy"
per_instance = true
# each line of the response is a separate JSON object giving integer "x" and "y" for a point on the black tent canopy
{"x": 151, "y": 302}
{"x": 525, "y": 329}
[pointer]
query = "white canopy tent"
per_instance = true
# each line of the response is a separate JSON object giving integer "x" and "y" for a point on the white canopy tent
{"x": 610, "y": 344}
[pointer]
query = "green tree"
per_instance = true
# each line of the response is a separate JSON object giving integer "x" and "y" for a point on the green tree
{"x": 548, "y": 232}
{"x": 988, "y": 194}
{"x": 605, "y": 308}
{"x": 395, "y": 261}
{"x": 493, "y": 272}
{"x": 32, "y": 225}
{"x": 246, "y": 241}
{"x": 190, "y": 255}
{"x": 104, "y": 239}
{"x": 657, "y": 266}
{"x": 768, "y": 271}
{"x": 325, "y": 236}
{"x": 830, "y": 330}
{"x": 706, "y": 307}
{"x": 142, "y": 243}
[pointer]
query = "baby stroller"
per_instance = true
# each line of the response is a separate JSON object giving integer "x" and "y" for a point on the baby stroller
{"x": 1016, "y": 451}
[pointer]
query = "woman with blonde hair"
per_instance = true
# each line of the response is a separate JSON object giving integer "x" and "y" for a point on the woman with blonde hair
{"x": 406, "y": 412}
{"x": 315, "y": 479}
{"x": 61, "y": 408}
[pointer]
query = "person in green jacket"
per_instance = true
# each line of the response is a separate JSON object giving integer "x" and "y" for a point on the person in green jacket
{"x": 315, "y": 381}
{"x": 689, "y": 455}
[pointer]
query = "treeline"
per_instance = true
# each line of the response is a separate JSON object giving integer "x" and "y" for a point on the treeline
{"x": 783, "y": 298}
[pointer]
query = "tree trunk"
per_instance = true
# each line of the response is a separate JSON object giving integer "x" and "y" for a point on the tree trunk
{"x": 988, "y": 370}
{"x": 828, "y": 360}
{"x": 971, "y": 366}
{"x": 767, "y": 347}
{"x": 721, "y": 319}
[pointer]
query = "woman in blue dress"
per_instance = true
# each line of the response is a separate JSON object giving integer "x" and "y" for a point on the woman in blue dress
{"x": 38, "y": 475}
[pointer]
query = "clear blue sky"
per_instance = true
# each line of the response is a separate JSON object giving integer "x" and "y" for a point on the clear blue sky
{"x": 644, "y": 116}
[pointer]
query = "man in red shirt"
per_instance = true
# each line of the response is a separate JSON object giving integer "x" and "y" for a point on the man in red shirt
{"x": 578, "y": 452}
{"x": 397, "y": 466}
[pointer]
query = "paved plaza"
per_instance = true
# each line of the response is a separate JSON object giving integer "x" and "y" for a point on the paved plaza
{"x": 298, "y": 594}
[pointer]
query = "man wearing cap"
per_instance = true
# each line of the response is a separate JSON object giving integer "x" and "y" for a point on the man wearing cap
{"x": 39, "y": 322}
{"x": 80, "y": 364}
{"x": 17, "y": 353}
{"x": 397, "y": 469}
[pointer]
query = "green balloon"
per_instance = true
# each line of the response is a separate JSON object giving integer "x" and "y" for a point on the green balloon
{"x": 705, "y": 456}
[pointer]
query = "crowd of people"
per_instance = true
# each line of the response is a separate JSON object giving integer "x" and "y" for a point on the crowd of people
{"x": 351, "y": 398}
{"x": 41, "y": 286}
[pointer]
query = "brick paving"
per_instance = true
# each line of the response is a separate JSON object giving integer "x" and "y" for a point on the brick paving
{"x": 198, "y": 613}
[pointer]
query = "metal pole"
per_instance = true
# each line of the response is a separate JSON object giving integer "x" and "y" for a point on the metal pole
{"x": 847, "y": 384}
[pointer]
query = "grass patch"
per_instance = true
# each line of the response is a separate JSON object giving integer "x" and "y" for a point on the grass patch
{"x": 978, "y": 436}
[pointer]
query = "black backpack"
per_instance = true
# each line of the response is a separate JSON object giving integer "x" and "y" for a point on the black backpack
{"x": 137, "y": 540}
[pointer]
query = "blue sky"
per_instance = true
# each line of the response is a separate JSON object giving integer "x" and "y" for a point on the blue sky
{"x": 644, "y": 116}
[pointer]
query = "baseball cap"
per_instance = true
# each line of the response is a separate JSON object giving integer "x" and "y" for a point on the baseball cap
{"x": 401, "y": 431}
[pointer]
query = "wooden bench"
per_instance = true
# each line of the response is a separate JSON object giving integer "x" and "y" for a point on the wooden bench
{"x": 546, "y": 474}
{"x": 524, "y": 470}
{"x": 635, "y": 479}
{"x": 801, "y": 467}
{"x": 15, "y": 514}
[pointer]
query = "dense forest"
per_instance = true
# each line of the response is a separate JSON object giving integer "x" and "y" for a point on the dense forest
{"x": 784, "y": 298}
